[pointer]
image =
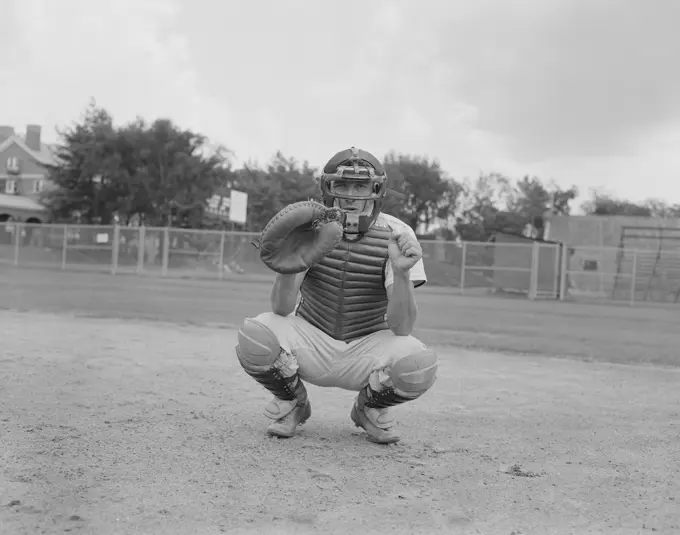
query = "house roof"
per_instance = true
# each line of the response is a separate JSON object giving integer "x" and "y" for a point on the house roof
{"x": 15, "y": 202}
{"x": 44, "y": 156}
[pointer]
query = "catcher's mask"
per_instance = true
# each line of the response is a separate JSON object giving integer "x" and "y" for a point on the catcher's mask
{"x": 357, "y": 175}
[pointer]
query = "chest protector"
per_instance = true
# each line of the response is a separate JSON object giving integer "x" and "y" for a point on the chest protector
{"x": 344, "y": 295}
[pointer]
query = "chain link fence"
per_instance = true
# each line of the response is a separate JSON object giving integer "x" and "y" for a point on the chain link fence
{"x": 535, "y": 269}
{"x": 141, "y": 250}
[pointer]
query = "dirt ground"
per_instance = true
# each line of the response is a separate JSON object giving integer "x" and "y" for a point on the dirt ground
{"x": 115, "y": 426}
{"x": 123, "y": 411}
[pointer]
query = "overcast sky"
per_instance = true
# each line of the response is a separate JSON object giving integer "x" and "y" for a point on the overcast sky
{"x": 579, "y": 91}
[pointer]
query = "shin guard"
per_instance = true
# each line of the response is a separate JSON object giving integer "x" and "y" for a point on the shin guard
{"x": 262, "y": 358}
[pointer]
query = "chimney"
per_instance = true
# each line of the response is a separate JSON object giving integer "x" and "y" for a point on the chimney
{"x": 6, "y": 132}
{"x": 33, "y": 136}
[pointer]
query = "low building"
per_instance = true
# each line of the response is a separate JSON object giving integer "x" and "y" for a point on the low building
{"x": 24, "y": 174}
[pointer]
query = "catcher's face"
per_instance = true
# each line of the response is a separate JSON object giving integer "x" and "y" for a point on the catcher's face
{"x": 353, "y": 189}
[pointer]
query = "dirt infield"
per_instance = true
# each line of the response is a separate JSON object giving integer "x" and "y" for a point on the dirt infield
{"x": 112, "y": 423}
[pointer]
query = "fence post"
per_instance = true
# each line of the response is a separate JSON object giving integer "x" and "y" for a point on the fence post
{"x": 115, "y": 249}
{"x": 633, "y": 280}
{"x": 220, "y": 264}
{"x": 166, "y": 250}
{"x": 64, "y": 247}
{"x": 141, "y": 247}
{"x": 533, "y": 276}
{"x": 564, "y": 268}
{"x": 556, "y": 278}
{"x": 463, "y": 263}
{"x": 17, "y": 241}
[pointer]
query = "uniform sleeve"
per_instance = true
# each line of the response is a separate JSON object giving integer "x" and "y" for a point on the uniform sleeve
{"x": 418, "y": 276}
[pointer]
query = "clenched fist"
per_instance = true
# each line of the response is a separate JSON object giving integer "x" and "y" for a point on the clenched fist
{"x": 404, "y": 250}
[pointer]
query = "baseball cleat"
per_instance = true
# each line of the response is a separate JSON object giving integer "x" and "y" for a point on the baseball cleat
{"x": 373, "y": 433}
{"x": 285, "y": 427}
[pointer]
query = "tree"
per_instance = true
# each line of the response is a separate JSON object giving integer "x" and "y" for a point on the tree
{"x": 607, "y": 205}
{"x": 157, "y": 171}
{"x": 483, "y": 207}
{"x": 493, "y": 203}
{"x": 602, "y": 204}
{"x": 561, "y": 199}
{"x": 430, "y": 197}
{"x": 86, "y": 151}
{"x": 283, "y": 182}
{"x": 533, "y": 200}
{"x": 169, "y": 173}
{"x": 662, "y": 209}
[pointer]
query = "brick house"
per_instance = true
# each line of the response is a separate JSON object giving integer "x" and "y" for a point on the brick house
{"x": 23, "y": 174}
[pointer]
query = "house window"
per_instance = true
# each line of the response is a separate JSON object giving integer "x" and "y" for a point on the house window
{"x": 12, "y": 164}
{"x": 11, "y": 187}
{"x": 38, "y": 186}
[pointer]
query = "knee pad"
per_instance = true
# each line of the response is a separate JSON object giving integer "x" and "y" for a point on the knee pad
{"x": 257, "y": 345}
{"x": 416, "y": 373}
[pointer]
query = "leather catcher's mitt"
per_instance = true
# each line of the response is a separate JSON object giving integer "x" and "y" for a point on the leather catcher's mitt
{"x": 299, "y": 236}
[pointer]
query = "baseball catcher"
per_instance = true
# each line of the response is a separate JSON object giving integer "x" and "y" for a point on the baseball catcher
{"x": 343, "y": 304}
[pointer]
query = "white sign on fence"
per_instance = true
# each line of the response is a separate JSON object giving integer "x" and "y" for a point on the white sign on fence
{"x": 234, "y": 207}
{"x": 238, "y": 209}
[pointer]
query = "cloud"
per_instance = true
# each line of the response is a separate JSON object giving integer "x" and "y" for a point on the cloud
{"x": 119, "y": 52}
{"x": 582, "y": 91}
{"x": 566, "y": 78}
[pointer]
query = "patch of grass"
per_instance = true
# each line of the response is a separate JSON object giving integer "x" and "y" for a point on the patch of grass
{"x": 589, "y": 332}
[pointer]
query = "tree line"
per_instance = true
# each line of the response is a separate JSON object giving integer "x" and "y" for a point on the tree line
{"x": 158, "y": 174}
